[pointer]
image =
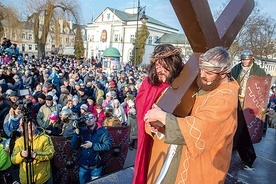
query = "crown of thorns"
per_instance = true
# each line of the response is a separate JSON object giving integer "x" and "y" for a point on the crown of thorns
{"x": 165, "y": 54}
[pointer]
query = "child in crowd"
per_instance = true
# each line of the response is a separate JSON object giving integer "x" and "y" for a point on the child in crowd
{"x": 55, "y": 127}
{"x": 132, "y": 122}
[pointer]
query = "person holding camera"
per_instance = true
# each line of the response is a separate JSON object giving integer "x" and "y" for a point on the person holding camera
{"x": 90, "y": 141}
{"x": 68, "y": 121}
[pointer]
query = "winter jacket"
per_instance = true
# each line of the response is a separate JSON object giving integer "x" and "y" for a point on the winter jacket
{"x": 112, "y": 121}
{"x": 18, "y": 85}
{"x": 44, "y": 113}
{"x": 11, "y": 124}
{"x": 5, "y": 161}
{"x": 100, "y": 117}
{"x": 44, "y": 148}
{"x": 90, "y": 158}
{"x": 255, "y": 70}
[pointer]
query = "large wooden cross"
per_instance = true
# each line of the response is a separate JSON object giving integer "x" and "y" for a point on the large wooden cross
{"x": 203, "y": 33}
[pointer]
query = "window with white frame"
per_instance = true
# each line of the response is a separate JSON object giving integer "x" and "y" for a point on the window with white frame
{"x": 150, "y": 40}
{"x": 130, "y": 54}
{"x": 30, "y": 47}
{"x": 132, "y": 38}
{"x": 30, "y": 36}
{"x": 116, "y": 38}
{"x": 23, "y": 47}
{"x": 23, "y": 36}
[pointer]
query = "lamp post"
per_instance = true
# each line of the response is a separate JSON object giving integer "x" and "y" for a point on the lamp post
{"x": 143, "y": 19}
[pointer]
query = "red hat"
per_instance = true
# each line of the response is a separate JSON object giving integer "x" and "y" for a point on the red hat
{"x": 112, "y": 84}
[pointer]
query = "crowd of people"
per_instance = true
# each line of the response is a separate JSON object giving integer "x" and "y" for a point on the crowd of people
{"x": 61, "y": 95}
{"x": 40, "y": 98}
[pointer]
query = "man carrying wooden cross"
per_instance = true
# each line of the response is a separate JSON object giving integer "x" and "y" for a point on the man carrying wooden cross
{"x": 201, "y": 143}
{"x": 202, "y": 33}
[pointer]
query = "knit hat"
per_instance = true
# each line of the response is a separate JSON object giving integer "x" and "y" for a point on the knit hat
{"x": 108, "y": 94}
{"x": 75, "y": 98}
{"x": 54, "y": 116}
{"x": 9, "y": 91}
{"x": 16, "y": 77}
{"x": 42, "y": 96}
{"x": 64, "y": 91}
{"x": 84, "y": 107}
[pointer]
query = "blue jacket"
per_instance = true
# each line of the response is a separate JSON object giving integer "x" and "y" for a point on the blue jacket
{"x": 100, "y": 138}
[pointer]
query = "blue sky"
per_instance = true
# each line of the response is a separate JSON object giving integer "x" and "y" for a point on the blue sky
{"x": 158, "y": 9}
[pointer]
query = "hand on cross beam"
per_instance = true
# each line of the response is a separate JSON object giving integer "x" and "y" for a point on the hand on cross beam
{"x": 156, "y": 118}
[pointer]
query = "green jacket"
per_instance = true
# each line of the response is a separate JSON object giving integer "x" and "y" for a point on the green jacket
{"x": 255, "y": 70}
{"x": 5, "y": 160}
{"x": 44, "y": 148}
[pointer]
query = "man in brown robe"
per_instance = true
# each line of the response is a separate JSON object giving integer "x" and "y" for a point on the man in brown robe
{"x": 200, "y": 145}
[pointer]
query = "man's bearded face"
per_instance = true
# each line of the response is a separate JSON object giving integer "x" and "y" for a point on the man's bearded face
{"x": 208, "y": 81}
{"x": 162, "y": 72}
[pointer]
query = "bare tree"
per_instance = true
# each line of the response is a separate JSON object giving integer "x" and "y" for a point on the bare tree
{"x": 43, "y": 14}
{"x": 257, "y": 33}
{"x": 8, "y": 17}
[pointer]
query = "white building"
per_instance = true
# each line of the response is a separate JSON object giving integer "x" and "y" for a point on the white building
{"x": 61, "y": 42}
{"x": 115, "y": 28}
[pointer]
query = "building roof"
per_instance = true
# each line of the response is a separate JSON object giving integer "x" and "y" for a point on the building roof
{"x": 172, "y": 39}
{"x": 124, "y": 16}
{"x": 111, "y": 52}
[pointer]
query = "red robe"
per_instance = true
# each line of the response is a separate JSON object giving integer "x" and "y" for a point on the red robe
{"x": 146, "y": 97}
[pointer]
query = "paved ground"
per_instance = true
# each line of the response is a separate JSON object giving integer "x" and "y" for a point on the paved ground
{"x": 264, "y": 167}
{"x": 263, "y": 171}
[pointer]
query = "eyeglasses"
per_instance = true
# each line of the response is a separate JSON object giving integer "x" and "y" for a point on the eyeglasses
{"x": 89, "y": 117}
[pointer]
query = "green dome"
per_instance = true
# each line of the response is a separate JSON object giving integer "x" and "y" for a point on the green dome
{"x": 111, "y": 52}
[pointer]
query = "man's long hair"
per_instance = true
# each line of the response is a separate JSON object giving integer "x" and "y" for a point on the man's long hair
{"x": 172, "y": 61}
